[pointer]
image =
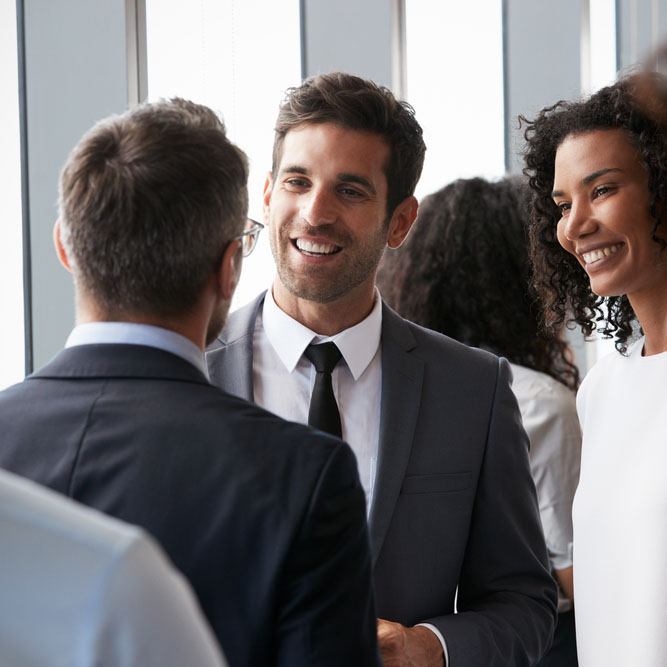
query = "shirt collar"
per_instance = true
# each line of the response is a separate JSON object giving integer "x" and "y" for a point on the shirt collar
{"x": 289, "y": 338}
{"x": 132, "y": 333}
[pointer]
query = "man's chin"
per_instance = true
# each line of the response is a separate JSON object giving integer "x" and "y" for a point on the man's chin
{"x": 325, "y": 293}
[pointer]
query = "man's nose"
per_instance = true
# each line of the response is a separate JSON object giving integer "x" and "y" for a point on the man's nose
{"x": 319, "y": 207}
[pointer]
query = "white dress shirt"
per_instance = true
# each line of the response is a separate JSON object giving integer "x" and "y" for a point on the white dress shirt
{"x": 132, "y": 333}
{"x": 549, "y": 415}
{"x": 80, "y": 589}
{"x": 283, "y": 378}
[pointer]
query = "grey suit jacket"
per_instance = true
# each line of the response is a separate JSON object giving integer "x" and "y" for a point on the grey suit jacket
{"x": 454, "y": 505}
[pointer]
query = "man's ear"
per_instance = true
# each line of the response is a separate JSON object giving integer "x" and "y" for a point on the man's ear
{"x": 401, "y": 221}
{"x": 60, "y": 249}
{"x": 229, "y": 270}
{"x": 266, "y": 198}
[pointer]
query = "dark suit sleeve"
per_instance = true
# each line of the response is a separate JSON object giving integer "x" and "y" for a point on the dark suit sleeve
{"x": 506, "y": 595}
{"x": 327, "y": 610}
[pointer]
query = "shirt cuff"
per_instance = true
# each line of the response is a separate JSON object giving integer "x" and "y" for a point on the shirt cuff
{"x": 560, "y": 558}
{"x": 441, "y": 639}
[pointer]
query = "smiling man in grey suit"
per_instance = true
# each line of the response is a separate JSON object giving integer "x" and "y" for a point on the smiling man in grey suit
{"x": 265, "y": 518}
{"x": 442, "y": 455}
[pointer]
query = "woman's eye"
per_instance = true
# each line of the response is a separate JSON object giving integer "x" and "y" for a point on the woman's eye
{"x": 564, "y": 206}
{"x": 601, "y": 190}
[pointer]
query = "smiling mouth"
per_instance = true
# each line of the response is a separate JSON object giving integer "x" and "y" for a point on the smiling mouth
{"x": 596, "y": 255}
{"x": 315, "y": 249}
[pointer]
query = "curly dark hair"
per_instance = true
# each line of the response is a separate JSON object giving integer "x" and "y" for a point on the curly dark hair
{"x": 563, "y": 285}
{"x": 465, "y": 271}
{"x": 358, "y": 104}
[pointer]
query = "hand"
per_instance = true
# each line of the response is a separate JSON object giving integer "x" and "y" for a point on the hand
{"x": 408, "y": 647}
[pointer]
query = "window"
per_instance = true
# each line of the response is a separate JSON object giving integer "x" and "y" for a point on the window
{"x": 12, "y": 359}
{"x": 238, "y": 57}
{"x": 603, "y": 56}
{"x": 454, "y": 54}
{"x": 601, "y": 61}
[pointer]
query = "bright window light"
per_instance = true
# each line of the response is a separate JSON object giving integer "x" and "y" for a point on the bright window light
{"x": 603, "y": 42}
{"x": 603, "y": 73}
{"x": 238, "y": 57}
{"x": 455, "y": 82}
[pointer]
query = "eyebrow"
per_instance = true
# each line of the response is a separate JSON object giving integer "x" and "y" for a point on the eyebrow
{"x": 588, "y": 179}
{"x": 294, "y": 169}
{"x": 343, "y": 177}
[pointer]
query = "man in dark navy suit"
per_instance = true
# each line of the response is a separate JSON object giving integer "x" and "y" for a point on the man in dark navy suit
{"x": 265, "y": 517}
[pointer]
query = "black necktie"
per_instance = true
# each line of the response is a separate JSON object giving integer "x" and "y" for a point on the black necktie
{"x": 323, "y": 413}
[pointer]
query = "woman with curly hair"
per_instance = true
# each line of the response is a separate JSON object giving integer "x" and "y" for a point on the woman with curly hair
{"x": 465, "y": 272}
{"x": 598, "y": 171}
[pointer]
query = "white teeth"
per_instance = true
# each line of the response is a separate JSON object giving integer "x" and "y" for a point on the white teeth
{"x": 315, "y": 248}
{"x": 597, "y": 255}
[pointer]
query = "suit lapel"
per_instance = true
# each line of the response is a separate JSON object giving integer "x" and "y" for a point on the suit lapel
{"x": 402, "y": 376}
{"x": 229, "y": 359}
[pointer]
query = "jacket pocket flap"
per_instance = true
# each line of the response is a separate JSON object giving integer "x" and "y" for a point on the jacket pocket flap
{"x": 452, "y": 481}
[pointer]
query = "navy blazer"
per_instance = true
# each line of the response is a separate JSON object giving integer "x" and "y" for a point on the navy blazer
{"x": 454, "y": 506}
{"x": 266, "y": 518}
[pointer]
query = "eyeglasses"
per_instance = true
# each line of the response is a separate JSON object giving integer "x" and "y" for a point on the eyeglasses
{"x": 249, "y": 237}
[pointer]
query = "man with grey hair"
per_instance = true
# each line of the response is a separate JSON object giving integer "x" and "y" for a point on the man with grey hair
{"x": 265, "y": 518}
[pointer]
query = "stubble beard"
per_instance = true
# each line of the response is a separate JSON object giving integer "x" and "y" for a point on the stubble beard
{"x": 316, "y": 283}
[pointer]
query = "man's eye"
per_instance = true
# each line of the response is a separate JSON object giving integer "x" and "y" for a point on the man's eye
{"x": 296, "y": 182}
{"x": 351, "y": 192}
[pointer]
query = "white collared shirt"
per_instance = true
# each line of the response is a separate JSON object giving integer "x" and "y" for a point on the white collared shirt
{"x": 132, "y": 333}
{"x": 283, "y": 378}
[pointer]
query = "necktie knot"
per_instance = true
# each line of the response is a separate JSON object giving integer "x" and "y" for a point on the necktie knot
{"x": 324, "y": 356}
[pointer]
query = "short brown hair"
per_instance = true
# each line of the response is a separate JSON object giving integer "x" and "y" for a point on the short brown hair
{"x": 148, "y": 202}
{"x": 358, "y": 104}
